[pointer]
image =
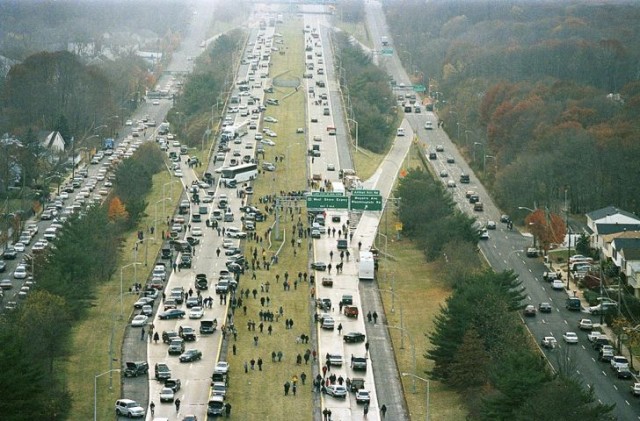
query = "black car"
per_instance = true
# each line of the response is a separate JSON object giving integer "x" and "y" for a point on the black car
{"x": 320, "y": 266}
{"x": 135, "y": 369}
{"x": 174, "y": 313}
{"x": 202, "y": 283}
{"x": 232, "y": 251}
{"x": 354, "y": 337}
{"x": 185, "y": 261}
{"x": 169, "y": 335}
{"x": 10, "y": 253}
{"x": 193, "y": 241}
{"x": 624, "y": 373}
{"x": 544, "y": 307}
{"x": 190, "y": 355}
{"x": 187, "y": 333}
{"x": 235, "y": 268}
{"x": 173, "y": 384}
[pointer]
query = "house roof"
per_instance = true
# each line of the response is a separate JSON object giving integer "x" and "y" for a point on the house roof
{"x": 627, "y": 244}
{"x": 604, "y": 229}
{"x": 603, "y": 213}
{"x": 608, "y": 238}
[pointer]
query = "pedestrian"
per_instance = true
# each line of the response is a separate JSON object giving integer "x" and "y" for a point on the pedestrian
{"x": 369, "y": 317}
{"x": 177, "y": 402}
{"x": 255, "y": 340}
{"x": 375, "y": 317}
{"x": 293, "y": 389}
{"x": 366, "y": 409}
{"x": 246, "y": 367}
{"x": 366, "y": 346}
{"x": 383, "y": 410}
{"x": 359, "y": 245}
{"x": 339, "y": 328}
{"x": 218, "y": 252}
{"x": 175, "y": 266}
{"x": 303, "y": 377}
{"x": 142, "y": 334}
{"x": 287, "y": 385}
{"x": 273, "y": 356}
{"x": 331, "y": 255}
{"x": 227, "y": 409}
{"x": 152, "y": 408}
{"x": 253, "y": 364}
{"x": 234, "y": 349}
{"x": 325, "y": 415}
{"x": 156, "y": 337}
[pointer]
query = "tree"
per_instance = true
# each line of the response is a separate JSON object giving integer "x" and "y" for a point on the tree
{"x": 117, "y": 211}
{"x": 42, "y": 323}
{"x": 470, "y": 366}
{"x": 548, "y": 228}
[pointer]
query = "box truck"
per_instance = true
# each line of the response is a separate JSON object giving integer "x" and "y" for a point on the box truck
{"x": 366, "y": 267}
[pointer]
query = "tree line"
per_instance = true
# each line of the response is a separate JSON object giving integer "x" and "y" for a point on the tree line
{"x": 370, "y": 100}
{"x": 36, "y": 336}
{"x": 548, "y": 91}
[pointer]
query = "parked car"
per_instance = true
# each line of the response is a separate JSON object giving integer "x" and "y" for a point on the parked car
{"x": 139, "y": 321}
{"x": 190, "y": 355}
{"x": 135, "y": 368}
{"x": 173, "y": 313}
{"x": 337, "y": 391}
{"x": 354, "y": 337}
{"x": 362, "y": 396}
{"x": 167, "y": 394}
{"x": 585, "y": 324}
{"x": 129, "y": 408}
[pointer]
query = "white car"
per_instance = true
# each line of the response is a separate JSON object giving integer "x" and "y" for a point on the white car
{"x": 337, "y": 391}
{"x": 18, "y": 246}
{"x": 258, "y": 136}
{"x": 196, "y": 231}
{"x": 178, "y": 173}
{"x": 128, "y": 123}
{"x": 222, "y": 367}
{"x": 271, "y": 133}
{"x": 167, "y": 394}
{"x": 139, "y": 321}
{"x": 156, "y": 102}
{"x": 570, "y": 337}
{"x": 267, "y": 142}
{"x": 557, "y": 284}
{"x": 270, "y": 119}
{"x": 175, "y": 144}
{"x": 400, "y": 131}
{"x": 20, "y": 272}
{"x": 362, "y": 396}
{"x": 228, "y": 243}
{"x": 428, "y": 125}
{"x": 196, "y": 312}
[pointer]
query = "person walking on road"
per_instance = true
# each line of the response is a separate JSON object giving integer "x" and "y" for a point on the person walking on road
{"x": 383, "y": 410}
{"x": 177, "y": 402}
{"x": 152, "y": 408}
{"x": 375, "y": 317}
{"x": 339, "y": 328}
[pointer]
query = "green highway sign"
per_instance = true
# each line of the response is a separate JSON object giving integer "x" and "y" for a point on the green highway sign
{"x": 327, "y": 193}
{"x": 419, "y": 88}
{"x": 363, "y": 192}
{"x": 387, "y": 51}
{"x": 372, "y": 202}
{"x": 327, "y": 201}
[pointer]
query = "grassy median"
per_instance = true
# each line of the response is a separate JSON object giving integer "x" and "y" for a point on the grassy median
{"x": 419, "y": 294}
{"x": 259, "y": 394}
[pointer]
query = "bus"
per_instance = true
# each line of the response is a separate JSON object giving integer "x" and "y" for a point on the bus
{"x": 240, "y": 173}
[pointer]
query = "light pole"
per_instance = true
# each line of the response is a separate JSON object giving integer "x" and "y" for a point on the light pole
{"x": 474, "y": 149}
{"x": 155, "y": 221}
{"x": 134, "y": 264}
{"x": 413, "y": 347}
{"x": 356, "y": 123}
{"x": 95, "y": 391}
{"x": 484, "y": 162}
{"x": 427, "y": 381}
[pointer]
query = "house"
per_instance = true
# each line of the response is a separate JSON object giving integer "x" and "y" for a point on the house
{"x": 626, "y": 256}
{"x": 54, "y": 142}
{"x": 609, "y": 220}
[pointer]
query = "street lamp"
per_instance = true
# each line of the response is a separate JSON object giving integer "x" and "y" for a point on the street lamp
{"x": 474, "y": 149}
{"x": 95, "y": 391}
{"x": 427, "y": 381}
{"x": 484, "y": 162}
{"x": 356, "y": 123}
{"x": 413, "y": 347}
{"x": 135, "y": 277}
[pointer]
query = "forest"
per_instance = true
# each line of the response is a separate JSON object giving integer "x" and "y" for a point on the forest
{"x": 542, "y": 97}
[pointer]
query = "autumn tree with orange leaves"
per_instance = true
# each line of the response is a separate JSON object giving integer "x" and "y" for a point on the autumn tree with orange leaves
{"x": 547, "y": 227}
{"x": 117, "y": 211}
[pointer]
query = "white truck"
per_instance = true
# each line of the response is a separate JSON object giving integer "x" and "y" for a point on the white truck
{"x": 366, "y": 267}
{"x": 337, "y": 186}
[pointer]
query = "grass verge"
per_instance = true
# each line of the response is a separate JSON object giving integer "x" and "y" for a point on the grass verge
{"x": 247, "y": 391}
{"x": 100, "y": 335}
{"x": 358, "y": 30}
{"x": 418, "y": 295}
